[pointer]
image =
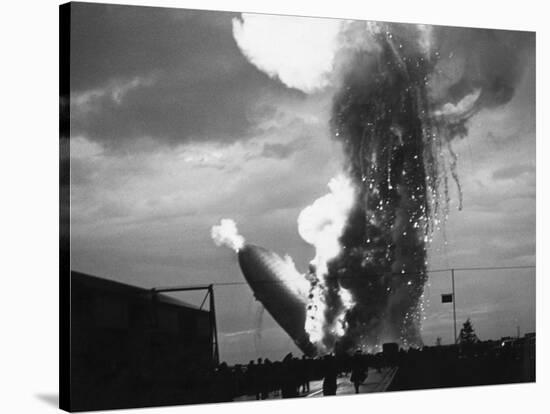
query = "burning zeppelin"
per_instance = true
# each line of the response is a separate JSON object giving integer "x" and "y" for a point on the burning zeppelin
{"x": 403, "y": 93}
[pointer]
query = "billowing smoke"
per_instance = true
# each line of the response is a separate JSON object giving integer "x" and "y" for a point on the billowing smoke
{"x": 321, "y": 224}
{"x": 403, "y": 93}
{"x": 226, "y": 234}
{"x": 282, "y": 46}
{"x": 400, "y": 103}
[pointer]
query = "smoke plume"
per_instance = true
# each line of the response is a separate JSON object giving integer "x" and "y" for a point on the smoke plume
{"x": 321, "y": 224}
{"x": 401, "y": 102}
{"x": 226, "y": 234}
{"x": 403, "y": 93}
{"x": 281, "y": 46}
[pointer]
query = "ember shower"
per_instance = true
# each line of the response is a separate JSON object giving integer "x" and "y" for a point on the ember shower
{"x": 402, "y": 93}
{"x": 396, "y": 113}
{"x": 381, "y": 117}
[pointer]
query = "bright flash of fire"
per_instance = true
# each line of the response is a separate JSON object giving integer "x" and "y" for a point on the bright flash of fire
{"x": 347, "y": 303}
{"x": 321, "y": 224}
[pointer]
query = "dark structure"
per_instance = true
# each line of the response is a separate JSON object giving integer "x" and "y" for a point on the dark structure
{"x": 136, "y": 347}
{"x": 504, "y": 361}
{"x": 390, "y": 351}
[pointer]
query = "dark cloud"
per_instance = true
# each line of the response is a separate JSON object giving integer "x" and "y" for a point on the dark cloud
{"x": 173, "y": 75}
{"x": 485, "y": 59}
{"x": 112, "y": 41}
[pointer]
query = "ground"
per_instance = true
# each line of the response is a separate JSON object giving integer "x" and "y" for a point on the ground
{"x": 375, "y": 382}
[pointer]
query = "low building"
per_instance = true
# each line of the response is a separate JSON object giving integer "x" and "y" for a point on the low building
{"x": 133, "y": 347}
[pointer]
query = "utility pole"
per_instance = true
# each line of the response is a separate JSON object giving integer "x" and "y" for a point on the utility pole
{"x": 454, "y": 302}
{"x": 213, "y": 326}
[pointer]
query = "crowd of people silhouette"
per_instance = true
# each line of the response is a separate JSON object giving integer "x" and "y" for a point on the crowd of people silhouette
{"x": 482, "y": 362}
{"x": 291, "y": 377}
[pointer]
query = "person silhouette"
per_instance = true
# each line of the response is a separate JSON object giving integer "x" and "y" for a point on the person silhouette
{"x": 304, "y": 374}
{"x": 330, "y": 375}
{"x": 289, "y": 385}
{"x": 358, "y": 370}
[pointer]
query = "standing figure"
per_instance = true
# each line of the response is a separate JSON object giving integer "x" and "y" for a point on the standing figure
{"x": 330, "y": 373}
{"x": 304, "y": 374}
{"x": 359, "y": 370}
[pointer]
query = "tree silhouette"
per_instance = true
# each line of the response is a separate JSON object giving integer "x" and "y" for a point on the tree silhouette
{"x": 467, "y": 334}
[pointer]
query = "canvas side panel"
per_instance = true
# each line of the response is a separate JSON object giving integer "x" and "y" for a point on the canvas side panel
{"x": 64, "y": 208}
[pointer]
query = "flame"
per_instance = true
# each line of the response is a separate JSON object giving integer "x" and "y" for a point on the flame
{"x": 340, "y": 324}
{"x": 226, "y": 234}
{"x": 321, "y": 224}
{"x": 315, "y": 314}
{"x": 293, "y": 279}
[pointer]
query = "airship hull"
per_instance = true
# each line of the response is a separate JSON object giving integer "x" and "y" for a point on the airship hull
{"x": 268, "y": 276}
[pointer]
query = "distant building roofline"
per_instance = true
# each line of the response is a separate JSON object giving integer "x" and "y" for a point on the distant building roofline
{"x": 120, "y": 287}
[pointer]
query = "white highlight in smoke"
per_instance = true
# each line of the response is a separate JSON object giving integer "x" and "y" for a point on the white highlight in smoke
{"x": 299, "y": 51}
{"x": 340, "y": 324}
{"x": 425, "y": 38}
{"x": 461, "y": 108}
{"x": 226, "y": 234}
{"x": 321, "y": 224}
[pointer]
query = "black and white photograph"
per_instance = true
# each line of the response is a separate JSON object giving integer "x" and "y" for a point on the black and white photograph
{"x": 266, "y": 206}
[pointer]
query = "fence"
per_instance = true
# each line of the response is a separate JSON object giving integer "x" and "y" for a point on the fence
{"x": 499, "y": 301}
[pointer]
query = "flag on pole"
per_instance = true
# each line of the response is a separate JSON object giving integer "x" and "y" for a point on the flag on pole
{"x": 447, "y": 298}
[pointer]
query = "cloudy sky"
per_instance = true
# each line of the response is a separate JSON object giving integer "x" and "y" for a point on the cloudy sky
{"x": 174, "y": 126}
